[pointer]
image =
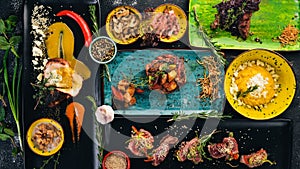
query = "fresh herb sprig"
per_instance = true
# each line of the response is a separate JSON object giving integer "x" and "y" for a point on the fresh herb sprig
{"x": 203, "y": 142}
{"x": 249, "y": 90}
{"x": 46, "y": 162}
{"x": 92, "y": 10}
{"x": 9, "y": 42}
{"x": 41, "y": 91}
{"x": 99, "y": 136}
{"x": 178, "y": 116}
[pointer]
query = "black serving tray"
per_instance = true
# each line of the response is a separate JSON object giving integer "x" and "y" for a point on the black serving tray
{"x": 275, "y": 136}
{"x": 82, "y": 154}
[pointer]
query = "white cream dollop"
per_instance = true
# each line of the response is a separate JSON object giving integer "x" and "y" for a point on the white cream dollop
{"x": 104, "y": 114}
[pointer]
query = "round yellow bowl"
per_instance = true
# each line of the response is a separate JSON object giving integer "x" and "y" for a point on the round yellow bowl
{"x": 31, "y": 143}
{"x": 109, "y": 19}
{"x": 287, "y": 82}
{"x": 182, "y": 19}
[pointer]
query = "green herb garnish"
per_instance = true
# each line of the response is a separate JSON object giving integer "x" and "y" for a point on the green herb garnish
{"x": 99, "y": 136}
{"x": 46, "y": 162}
{"x": 9, "y": 42}
{"x": 177, "y": 116}
{"x": 249, "y": 90}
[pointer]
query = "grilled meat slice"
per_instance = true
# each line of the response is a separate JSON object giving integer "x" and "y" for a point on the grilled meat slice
{"x": 161, "y": 152}
{"x": 228, "y": 148}
{"x": 255, "y": 159}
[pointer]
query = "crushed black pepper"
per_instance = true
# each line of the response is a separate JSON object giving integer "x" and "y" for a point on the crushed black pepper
{"x": 103, "y": 50}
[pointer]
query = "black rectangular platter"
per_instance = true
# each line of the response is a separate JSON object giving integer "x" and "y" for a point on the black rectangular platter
{"x": 274, "y": 136}
{"x": 82, "y": 154}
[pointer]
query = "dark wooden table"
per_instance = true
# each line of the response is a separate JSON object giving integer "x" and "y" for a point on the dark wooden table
{"x": 7, "y": 161}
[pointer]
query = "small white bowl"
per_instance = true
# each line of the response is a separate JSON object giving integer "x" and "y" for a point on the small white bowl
{"x": 106, "y": 39}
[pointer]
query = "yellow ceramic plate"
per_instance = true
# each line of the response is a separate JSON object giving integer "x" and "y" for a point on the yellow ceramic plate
{"x": 287, "y": 82}
{"x": 109, "y": 20}
{"x": 182, "y": 19}
{"x": 30, "y": 133}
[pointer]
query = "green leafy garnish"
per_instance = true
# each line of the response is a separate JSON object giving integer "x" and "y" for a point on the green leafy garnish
{"x": 9, "y": 43}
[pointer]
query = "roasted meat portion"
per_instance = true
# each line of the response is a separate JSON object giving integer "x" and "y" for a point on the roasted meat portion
{"x": 189, "y": 151}
{"x": 141, "y": 141}
{"x": 255, "y": 159}
{"x": 166, "y": 73}
{"x": 234, "y": 16}
{"x": 228, "y": 149}
{"x": 193, "y": 150}
{"x": 59, "y": 74}
{"x": 161, "y": 152}
{"x": 165, "y": 24}
{"x": 123, "y": 94}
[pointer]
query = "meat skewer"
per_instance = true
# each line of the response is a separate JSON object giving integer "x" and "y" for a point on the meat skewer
{"x": 256, "y": 159}
{"x": 228, "y": 149}
{"x": 141, "y": 141}
{"x": 161, "y": 152}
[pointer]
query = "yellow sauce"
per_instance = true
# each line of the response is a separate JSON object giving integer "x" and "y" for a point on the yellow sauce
{"x": 243, "y": 78}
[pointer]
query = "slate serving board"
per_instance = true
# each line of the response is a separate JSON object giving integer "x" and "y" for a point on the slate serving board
{"x": 275, "y": 136}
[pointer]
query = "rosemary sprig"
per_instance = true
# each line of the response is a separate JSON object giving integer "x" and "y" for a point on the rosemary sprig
{"x": 249, "y": 90}
{"x": 56, "y": 162}
{"x": 98, "y": 132}
{"x": 178, "y": 116}
{"x": 203, "y": 142}
{"x": 107, "y": 72}
{"x": 46, "y": 162}
{"x": 96, "y": 31}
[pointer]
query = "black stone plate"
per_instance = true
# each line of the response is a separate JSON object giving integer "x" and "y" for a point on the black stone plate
{"x": 274, "y": 136}
{"x": 83, "y": 153}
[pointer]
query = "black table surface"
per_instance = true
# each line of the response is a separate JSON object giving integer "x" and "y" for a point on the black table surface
{"x": 7, "y": 161}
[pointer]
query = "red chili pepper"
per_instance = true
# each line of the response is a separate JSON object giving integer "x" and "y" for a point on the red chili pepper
{"x": 83, "y": 25}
